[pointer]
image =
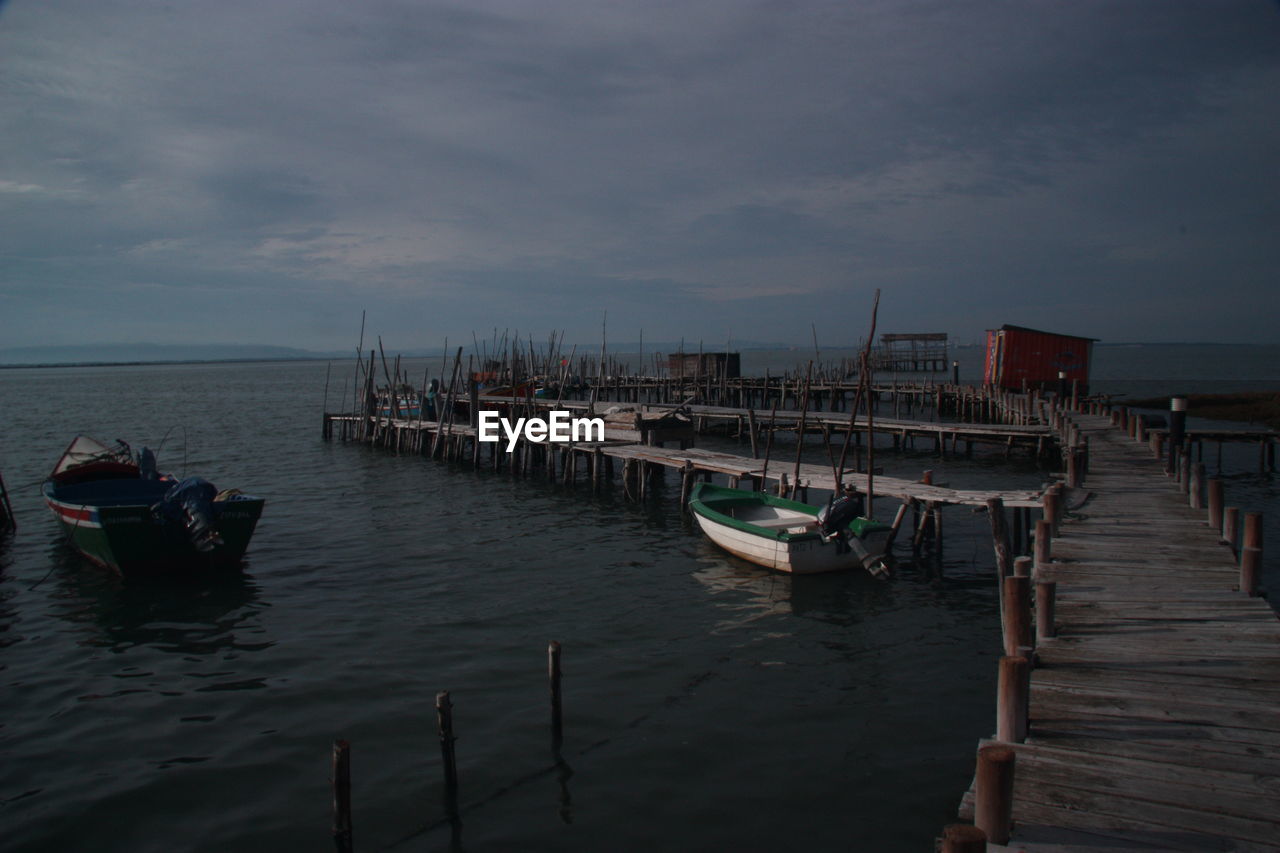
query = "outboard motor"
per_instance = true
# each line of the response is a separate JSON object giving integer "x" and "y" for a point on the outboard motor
{"x": 834, "y": 518}
{"x": 190, "y": 503}
{"x": 147, "y": 464}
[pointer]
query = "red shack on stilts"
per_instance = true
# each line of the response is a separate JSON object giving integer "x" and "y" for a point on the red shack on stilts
{"x": 1020, "y": 359}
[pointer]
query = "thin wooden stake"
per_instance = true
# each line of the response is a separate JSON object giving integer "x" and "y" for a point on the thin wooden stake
{"x": 444, "y": 722}
{"x": 342, "y": 796}
{"x": 553, "y": 676}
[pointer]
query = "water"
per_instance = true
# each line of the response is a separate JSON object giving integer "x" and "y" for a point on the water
{"x": 709, "y": 704}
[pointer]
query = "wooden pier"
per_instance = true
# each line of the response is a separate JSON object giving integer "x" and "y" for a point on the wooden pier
{"x": 595, "y": 459}
{"x": 1148, "y": 715}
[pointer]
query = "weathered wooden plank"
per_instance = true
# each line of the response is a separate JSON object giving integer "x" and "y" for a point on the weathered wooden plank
{"x": 1155, "y": 713}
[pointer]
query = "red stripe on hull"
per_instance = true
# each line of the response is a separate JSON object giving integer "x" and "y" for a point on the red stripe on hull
{"x": 70, "y": 513}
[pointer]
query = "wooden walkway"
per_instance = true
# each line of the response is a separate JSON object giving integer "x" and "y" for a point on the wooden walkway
{"x": 1154, "y": 714}
{"x": 743, "y": 471}
{"x": 1037, "y": 438}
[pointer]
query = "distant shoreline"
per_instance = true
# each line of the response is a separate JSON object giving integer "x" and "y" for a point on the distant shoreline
{"x": 163, "y": 362}
{"x": 1254, "y": 407}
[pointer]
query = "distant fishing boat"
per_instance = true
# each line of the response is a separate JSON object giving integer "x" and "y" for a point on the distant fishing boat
{"x": 787, "y": 535}
{"x": 120, "y": 513}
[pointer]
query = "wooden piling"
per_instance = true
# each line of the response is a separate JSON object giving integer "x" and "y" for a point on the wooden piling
{"x": 1011, "y": 694}
{"x": 444, "y": 723}
{"x": 1000, "y": 537}
{"x": 1052, "y": 499}
{"x": 687, "y": 475}
{"x": 1044, "y": 544}
{"x": 1046, "y": 603}
{"x": 1216, "y": 499}
{"x": 1022, "y": 567}
{"x": 1251, "y": 554}
{"x": 1231, "y": 528}
{"x": 342, "y": 796}
{"x": 553, "y": 677}
{"x": 1195, "y": 486}
{"x": 962, "y": 838}
{"x": 1015, "y": 616}
{"x": 993, "y": 792}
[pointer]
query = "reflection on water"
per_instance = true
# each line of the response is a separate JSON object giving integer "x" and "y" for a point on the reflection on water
{"x": 190, "y": 615}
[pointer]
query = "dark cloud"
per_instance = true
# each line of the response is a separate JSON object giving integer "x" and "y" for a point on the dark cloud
{"x": 685, "y": 166}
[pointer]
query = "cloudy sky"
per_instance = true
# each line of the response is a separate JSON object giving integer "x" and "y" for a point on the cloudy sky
{"x": 260, "y": 172}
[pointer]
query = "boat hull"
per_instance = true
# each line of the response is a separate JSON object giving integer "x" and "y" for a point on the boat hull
{"x": 132, "y": 539}
{"x": 790, "y": 543}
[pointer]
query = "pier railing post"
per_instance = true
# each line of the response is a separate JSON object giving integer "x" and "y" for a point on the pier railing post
{"x": 1052, "y": 499}
{"x": 1011, "y": 699}
{"x": 993, "y": 792}
{"x": 1016, "y": 614}
{"x": 1044, "y": 544}
{"x": 1195, "y": 486}
{"x": 1251, "y": 553}
{"x": 962, "y": 838}
{"x": 1046, "y": 595}
{"x": 1177, "y": 429}
{"x": 1231, "y": 528}
{"x": 1216, "y": 497}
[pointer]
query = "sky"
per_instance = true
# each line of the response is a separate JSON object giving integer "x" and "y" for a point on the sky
{"x": 723, "y": 170}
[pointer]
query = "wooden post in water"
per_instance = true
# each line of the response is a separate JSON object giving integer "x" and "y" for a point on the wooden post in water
{"x": 553, "y": 676}
{"x": 1011, "y": 693}
{"x": 993, "y": 792}
{"x": 342, "y": 796}
{"x": 687, "y": 473}
{"x": 897, "y": 522}
{"x": 1251, "y": 554}
{"x": 1000, "y": 538}
{"x": 444, "y": 722}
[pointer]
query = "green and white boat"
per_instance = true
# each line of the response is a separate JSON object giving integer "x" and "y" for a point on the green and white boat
{"x": 787, "y": 535}
{"x": 118, "y": 512}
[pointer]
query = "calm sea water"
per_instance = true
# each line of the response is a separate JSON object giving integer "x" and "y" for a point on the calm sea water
{"x": 709, "y": 705}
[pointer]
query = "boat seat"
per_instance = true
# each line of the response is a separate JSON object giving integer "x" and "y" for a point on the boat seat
{"x": 774, "y": 523}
